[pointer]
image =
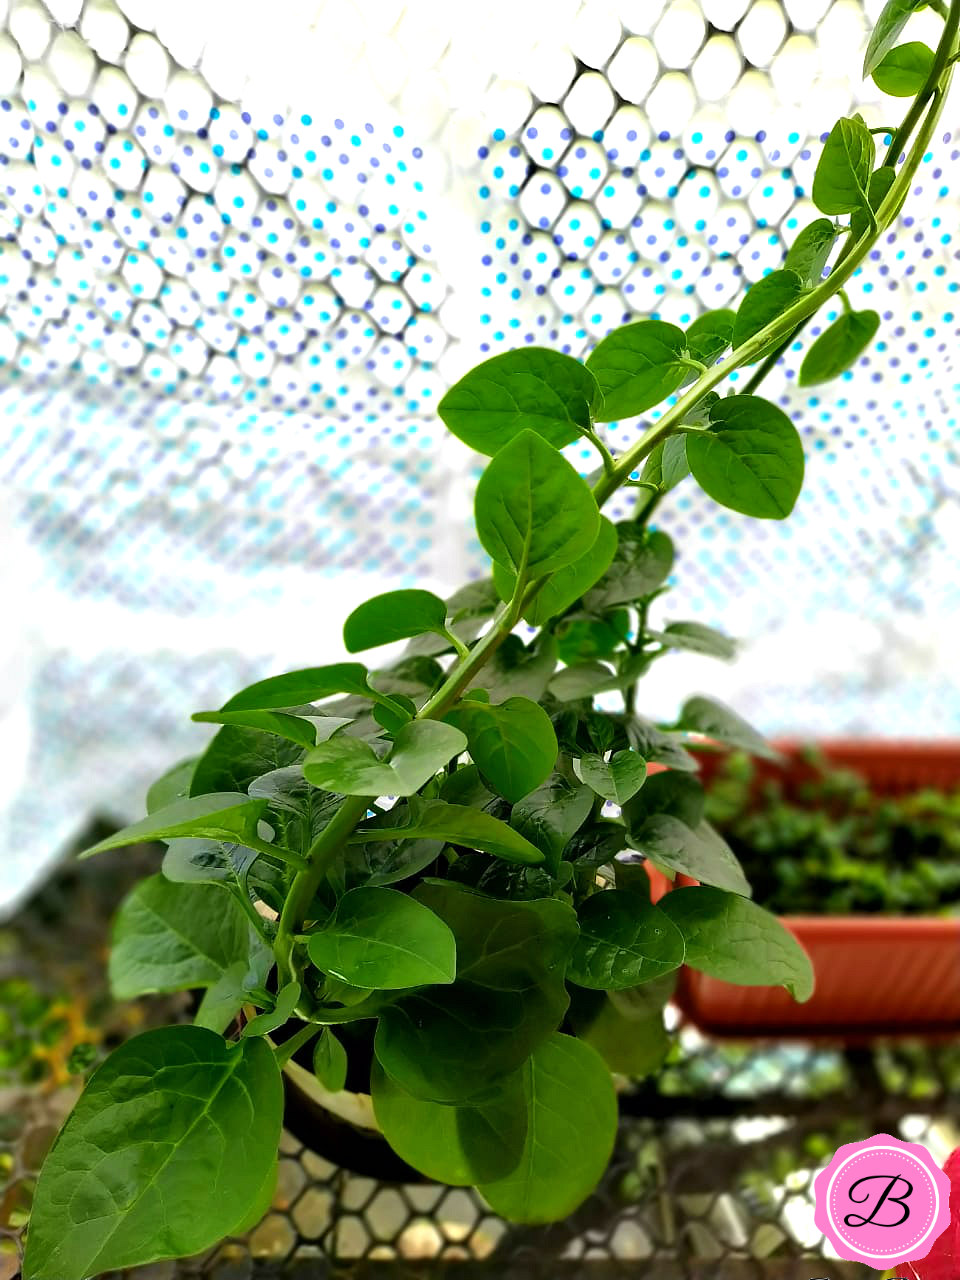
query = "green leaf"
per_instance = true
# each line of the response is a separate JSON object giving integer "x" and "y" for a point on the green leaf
{"x": 667, "y": 465}
{"x": 583, "y": 681}
{"x": 351, "y": 766}
{"x": 838, "y": 347}
{"x": 731, "y": 938}
{"x": 585, "y": 638}
{"x": 633, "y": 1047}
{"x": 643, "y": 560}
{"x": 565, "y": 586}
{"x": 694, "y": 637}
{"x": 453, "y": 1044}
{"x": 679, "y": 794}
{"x": 842, "y": 178}
{"x": 296, "y": 688}
{"x": 715, "y": 720}
{"x": 380, "y": 939}
{"x": 533, "y": 389}
{"x": 513, "y": 743}
{"x": 507, "y": 946}
{"x": 904, "y": 70}
{"x": 617, "y": 779}
{"x": 886, "y": 32}
{"x": 751, "y": 459}
{"x": 395, "y": 615}
{"x": 225, "y": 998}
{"x": 637, "y": 366}
{"x": 698, "y": 852}
{"x": 571, "y": 1108}
{"x": 330, "y": 1061}
{"x": 658, "y": 747}
{"x": 305, "y": 731}
{"x": 455, "y": 824}
{"x": 881, "y": 180}
{"x": 293, "y": 799}
{"x": 516, "y": 670}
{"x": 238, "y": 755}
{"x": 175, "y": 1121}
{"x": 221, "y": 816}
{"x": 171, "y": 786}
{"x": 710, "y": 335}
{"x": 534, "y": 513}
{"x": 171, "y": 937}
{"x": 468, "y": 610}
{"x": 551, "y": 816}
{"x": 624, "y": 940}
{"x": 808, "y": 254}
{"x": 765, "y": 301}
{"x": 286, "y": 1002}
{"x": 457, "y": 1145}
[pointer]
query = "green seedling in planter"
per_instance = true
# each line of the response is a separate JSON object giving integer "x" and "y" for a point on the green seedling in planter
{"x": 833, "y": 847}
{"x": 425, "y": 879}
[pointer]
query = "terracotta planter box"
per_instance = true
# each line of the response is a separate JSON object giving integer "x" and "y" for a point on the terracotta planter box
{"x": 874, "y": 974}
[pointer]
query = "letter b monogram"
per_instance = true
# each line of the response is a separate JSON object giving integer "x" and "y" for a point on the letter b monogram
{"x": 884, "y": 1191}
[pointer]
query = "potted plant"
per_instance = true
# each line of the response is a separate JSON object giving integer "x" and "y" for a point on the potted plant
{"x": 413, "y": 877}
{"x": 854, "y": 845}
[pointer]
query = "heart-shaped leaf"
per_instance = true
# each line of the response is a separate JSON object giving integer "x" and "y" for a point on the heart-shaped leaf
{"x": 750, "y": 459}
{"x": 624, "y": 940}
{"x": 395, "y": 615}
{"x": 617, "y": 779}
{"x": 351, "y": 766}
{"x": 513, "y": 743}
{"x": 534, "y": 514}
{"x": 383, "y": 940}
{"x": 532, "y": 389}
{"x": 637, "y": 366}
{"x": 566, "y": 585}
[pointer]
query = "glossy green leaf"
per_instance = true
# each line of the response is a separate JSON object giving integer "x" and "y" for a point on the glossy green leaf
{"x": 571, "y": 1108}
{"x": 452, "y": 1044}
{"x": 551, "y": 815}
{"x": 842, "y": 179}
{"x": 667, "y": 464}
{"x": 383, "y": 940}
{"x": 221, "y": 816}
{"x": 171, "y": 786}
{"x": 534, "y": 513}
{"x": 731, "y": 938}
{"x": 286, "y": 1002}
{"x": 458, "y": 1145}
{"x": 455, "y": 824}
{"x": 567, "y": 585}
{"x": 617, "y": 779}
{"x": 715, "y": 720}
{"x": 302, "y": 730}
{"x": 881, "y": 180}
{"x": 637, "y": 366}
{"x": 642, "y": 562}
{"x": 237, "y": 755}
{"x": 710, "y": 335}
{"x": 694, "y": 637}
{"x": 808, "y": 254}
{"x": 296, "y": 688}
{"x": 886, "y": 32}
{"x": 293, "y": 800}
{"x": 171, "y": 937}
{"x": 696, "y": 852}
{"x": 838, "y": 347}
{"x": 751, "y": 459}
{"x": 583, "y": 681}
{"x": 533, "y": 389}
{"x": 395, "y": 615}
{"x": 351, "y": 766}
{"x": 904, "y": 70}
{"x": 133, "y": 1190}
{"x": 330, "y": 1061}
{"x": 513, "y": 743}
{"x": 765, "y": 301}
{"x": 624, "y": 940}
{"x": 672, "y": 792}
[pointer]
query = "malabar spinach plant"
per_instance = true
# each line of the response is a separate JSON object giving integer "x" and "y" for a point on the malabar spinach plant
{"x": 427, "y": 879}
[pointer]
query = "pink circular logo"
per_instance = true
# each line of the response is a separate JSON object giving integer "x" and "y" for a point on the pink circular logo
{"x": 882, "y": 1201}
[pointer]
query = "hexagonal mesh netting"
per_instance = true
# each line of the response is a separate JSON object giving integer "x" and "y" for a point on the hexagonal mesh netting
{"x": 711, "y": 1178}
{"x": 242, "y": 257}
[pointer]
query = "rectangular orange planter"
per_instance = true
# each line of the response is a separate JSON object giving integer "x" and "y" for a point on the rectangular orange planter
{"x": 875, "y": 975}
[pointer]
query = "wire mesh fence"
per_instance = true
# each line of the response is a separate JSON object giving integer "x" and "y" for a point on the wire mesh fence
{"x": 711, "y": 1177}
